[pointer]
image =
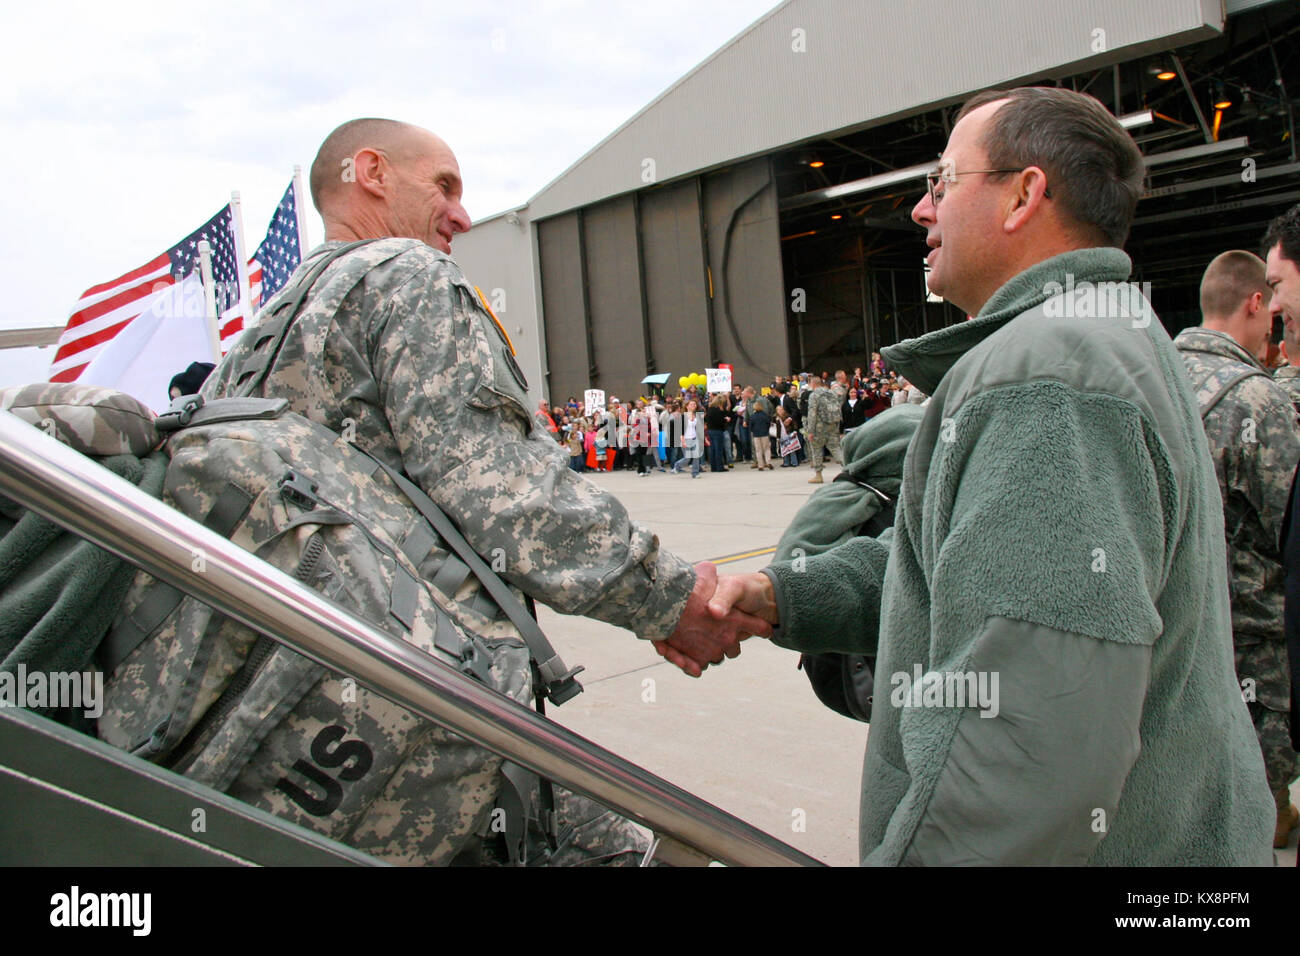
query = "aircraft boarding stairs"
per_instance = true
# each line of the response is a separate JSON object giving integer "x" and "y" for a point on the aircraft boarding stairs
{"x": 71, "y": 800}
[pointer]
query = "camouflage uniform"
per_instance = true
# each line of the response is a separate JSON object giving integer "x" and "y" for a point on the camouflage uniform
{"x": 1288, "y": 376}
{"x": 394, "y": 346}
{"x": 823, "y": 426}
{"x": 1255, "y": 444}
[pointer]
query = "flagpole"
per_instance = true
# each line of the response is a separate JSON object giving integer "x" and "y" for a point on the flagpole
{"x": 241, "y": 260}
{"x": 299, "y": 196}
{"x": 209, "y": 297}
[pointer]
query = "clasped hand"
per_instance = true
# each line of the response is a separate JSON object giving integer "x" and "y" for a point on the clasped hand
{"x": 719, "y": 614}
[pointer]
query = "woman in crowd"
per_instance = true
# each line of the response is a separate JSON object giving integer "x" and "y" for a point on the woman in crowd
{"x": 716, "y": 420}
{"x": 638, "y": 437}
{"x": 784, "y": 431}
{"x": 760, "y": 423}
{"x": 670, "y": 426}
{"x": 692, "y": 438}
{"x": 853, "y": 411}
{"x": 873, "y": 396}
{"x": 575, "y": 439}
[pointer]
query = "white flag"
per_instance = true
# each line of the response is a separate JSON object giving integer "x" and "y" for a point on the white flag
{"x": 158, "y": 344}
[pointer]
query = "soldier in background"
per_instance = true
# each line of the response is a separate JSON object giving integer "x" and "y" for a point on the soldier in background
{"x": 1288, "y": 376}
{"x": 823, "y": 426}
{"x": 1255, "y": 444}
{"x": 393, "y": 339}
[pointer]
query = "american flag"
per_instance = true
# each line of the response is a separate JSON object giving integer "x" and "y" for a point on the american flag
{"x": 106, "y": 309}
{"x": 280, "y": 252}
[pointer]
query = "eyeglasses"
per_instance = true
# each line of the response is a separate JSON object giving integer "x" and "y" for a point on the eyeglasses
{"x": 946, "y": 175}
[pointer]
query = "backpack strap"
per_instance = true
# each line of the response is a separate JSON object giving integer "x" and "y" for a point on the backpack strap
{"x": 272, "y": 331}
{"x": 194, "y": 410}
{"x": 1225, "y": 388}
{"x": 559, "y": 682}
{"x": 227, "y": 511}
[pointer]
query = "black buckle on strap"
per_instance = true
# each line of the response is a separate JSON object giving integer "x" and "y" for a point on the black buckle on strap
{"x": 299, "y": 489}
{"x": 179, "y": 413}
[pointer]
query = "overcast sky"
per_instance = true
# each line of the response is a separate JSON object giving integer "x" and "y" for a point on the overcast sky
{"x": 127, "y": 124}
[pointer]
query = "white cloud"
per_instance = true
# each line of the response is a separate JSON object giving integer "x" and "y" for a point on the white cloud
{"x": 127, "y": 125}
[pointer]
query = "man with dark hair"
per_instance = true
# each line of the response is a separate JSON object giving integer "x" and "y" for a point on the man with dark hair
{"x": 1255, "y": 445}
{"x": 1054, "y": 665}
{"x": 393, "y": 341}
{"x": 1281, "y": 250}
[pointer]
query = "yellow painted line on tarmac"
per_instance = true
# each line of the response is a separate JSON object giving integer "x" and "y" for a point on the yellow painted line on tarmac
{"x": 742, "y": 556}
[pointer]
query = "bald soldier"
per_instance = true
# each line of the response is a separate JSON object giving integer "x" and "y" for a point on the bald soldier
{"x": 1255, "y": 444}
{"x": 394, "y": 345}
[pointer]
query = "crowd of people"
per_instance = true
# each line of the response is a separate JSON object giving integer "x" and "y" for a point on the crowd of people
{"x": 685, "y": 432}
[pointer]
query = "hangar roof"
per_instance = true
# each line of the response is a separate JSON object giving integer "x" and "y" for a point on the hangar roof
{"x": 811, "y": 67}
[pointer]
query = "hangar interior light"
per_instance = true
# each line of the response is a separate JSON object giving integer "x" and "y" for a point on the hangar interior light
{"x": 1207, "y": 118}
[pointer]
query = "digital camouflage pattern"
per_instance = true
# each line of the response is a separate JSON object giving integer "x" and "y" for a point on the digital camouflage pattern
{"x": 1288, "y": 376}
{"x": 290, "y": 737}
{"x": 394, "y": 346}
{"x": 589, "y": 835}
{"x": 823, "y": 425}
{"x": 393, "y": 350}
{"x": 1255, "y": 445}
{"x": 92, "y": 420}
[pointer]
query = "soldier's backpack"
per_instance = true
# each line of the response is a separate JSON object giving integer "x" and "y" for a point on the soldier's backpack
{"x": 1222, "y": 381}
{"x": 213, "y": 699}
{"x": 1228, "y": 378}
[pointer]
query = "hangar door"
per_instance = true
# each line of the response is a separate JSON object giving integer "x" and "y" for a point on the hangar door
{"x": 671, "y": 278}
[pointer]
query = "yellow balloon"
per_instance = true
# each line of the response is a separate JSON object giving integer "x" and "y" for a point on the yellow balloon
{"x": 682, "y": 381}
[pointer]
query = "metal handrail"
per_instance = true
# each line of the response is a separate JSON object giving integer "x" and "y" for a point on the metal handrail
{"x": 75, "y": 492}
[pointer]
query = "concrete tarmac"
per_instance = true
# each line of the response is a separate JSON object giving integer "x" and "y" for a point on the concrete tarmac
{"x": 749, "y": 736}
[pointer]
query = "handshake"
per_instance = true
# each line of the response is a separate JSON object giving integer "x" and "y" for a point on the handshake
{"x": 720, "y": 613}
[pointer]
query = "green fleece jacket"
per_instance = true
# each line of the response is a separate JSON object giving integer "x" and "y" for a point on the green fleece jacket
{"x": 1055, "y": 661}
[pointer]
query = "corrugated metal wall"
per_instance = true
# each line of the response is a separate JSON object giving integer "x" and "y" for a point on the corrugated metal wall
{"x": 676, "y": 286}
{"x": 637, "y": 285}
{"x": 564, "y": 302}
{"x": 745, "y": 257}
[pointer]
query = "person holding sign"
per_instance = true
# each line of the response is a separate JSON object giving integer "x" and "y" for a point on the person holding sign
{"x": 717, "y": 420}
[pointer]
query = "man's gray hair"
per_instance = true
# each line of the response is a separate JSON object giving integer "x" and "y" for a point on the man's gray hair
{"x": 1094, "y": 169}
{"x": 342, "y": 144}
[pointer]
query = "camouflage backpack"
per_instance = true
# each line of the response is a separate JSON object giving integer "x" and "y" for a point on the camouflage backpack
{"x": 216, "y": 701}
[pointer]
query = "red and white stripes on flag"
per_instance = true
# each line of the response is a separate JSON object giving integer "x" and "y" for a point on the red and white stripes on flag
{"x": 103, "y": 311}
{"x": 106, "y": 309}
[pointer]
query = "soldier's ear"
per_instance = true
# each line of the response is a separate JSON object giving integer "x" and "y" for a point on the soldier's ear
{"x": 373, "y": 171}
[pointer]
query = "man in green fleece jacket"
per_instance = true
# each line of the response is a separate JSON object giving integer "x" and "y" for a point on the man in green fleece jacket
{"x": 1055, "y": 658}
